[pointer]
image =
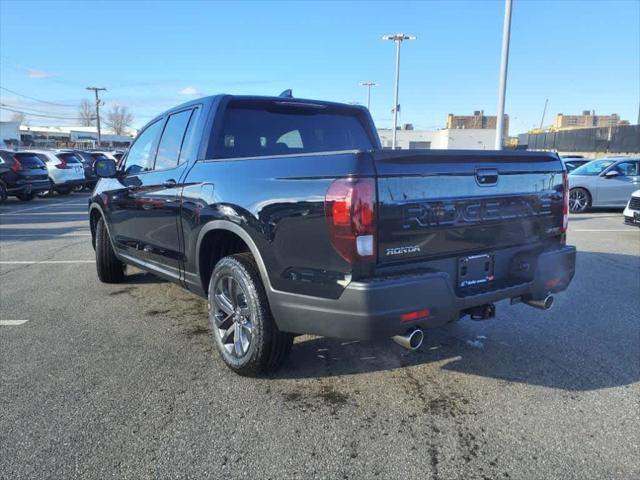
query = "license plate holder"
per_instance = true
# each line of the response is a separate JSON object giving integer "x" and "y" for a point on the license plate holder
{"x": 475, "y": 270}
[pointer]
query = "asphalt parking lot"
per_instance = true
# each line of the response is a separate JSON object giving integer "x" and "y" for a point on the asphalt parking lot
{"x": 122, "y": 381}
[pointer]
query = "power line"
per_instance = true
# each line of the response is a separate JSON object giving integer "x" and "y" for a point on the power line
{"x": 37, "y": 100}
{"x": 29, "y": 110}
{"x": 2, "y": 107}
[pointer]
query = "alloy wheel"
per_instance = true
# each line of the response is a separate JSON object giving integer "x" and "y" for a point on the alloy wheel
{"x": 232, "y": 316}
{"x": 578, "y": 200}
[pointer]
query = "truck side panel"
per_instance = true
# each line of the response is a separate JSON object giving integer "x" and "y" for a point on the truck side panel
{"x": 279, "y": 202}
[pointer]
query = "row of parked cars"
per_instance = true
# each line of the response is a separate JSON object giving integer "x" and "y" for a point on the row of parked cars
{"x": 27, "y": 173}
{"x": 611, "y": 182}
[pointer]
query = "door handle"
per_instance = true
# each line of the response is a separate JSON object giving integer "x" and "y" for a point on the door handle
{"x": 169, "y": 183}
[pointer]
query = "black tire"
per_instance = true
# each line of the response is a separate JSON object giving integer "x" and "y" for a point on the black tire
{"x": 47, "y": 193}
{"x": 110, "y": 269}
{"x": 579, "y": 200}
{"x": 64, "y": 191}
{"x": 3, "y": 192}
{"x": 25, "y": 197}
{"x": 267, "y": 347}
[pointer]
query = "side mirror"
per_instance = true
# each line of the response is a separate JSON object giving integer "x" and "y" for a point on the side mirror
{"x": 105, "y": 168}
{"x": 611, "y": 174}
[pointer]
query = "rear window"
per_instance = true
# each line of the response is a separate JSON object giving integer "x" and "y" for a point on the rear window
{"x": 29, "y": 160}
{"x": 68, "y": 157}
{"x": 252, "y": 130}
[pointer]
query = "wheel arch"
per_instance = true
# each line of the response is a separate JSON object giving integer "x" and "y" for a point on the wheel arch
{"x": 223, "y": 230}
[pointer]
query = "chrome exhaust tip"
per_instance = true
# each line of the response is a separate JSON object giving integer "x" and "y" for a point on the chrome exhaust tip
{"x": 410, "y": 340}
{"x": 543, "y": 304}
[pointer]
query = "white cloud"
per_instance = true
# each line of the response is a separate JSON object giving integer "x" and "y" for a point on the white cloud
{"x": 33, "y": 73}
{"x": 189, "y": 92}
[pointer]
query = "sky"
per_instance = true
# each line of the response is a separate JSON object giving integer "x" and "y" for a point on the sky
{"x": 581, "y": 55}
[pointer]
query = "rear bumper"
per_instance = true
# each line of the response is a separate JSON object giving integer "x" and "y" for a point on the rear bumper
{"x": 34, "y": 186}
{"x": 372, "y": 309}
{"x": 69, "y": 183}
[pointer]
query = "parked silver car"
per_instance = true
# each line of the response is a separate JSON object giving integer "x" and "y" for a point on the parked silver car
{"x": 607, "y": 182}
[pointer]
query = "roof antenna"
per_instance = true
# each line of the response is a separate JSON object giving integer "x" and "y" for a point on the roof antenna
{"x": 287, "y": 93}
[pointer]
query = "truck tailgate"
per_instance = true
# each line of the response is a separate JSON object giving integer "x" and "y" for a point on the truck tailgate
{"x": 451, "y": 203}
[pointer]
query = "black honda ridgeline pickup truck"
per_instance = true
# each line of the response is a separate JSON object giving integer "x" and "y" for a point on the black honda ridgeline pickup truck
{"x": 290, "y": 217}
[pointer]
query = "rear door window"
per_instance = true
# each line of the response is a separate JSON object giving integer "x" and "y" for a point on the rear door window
{"x": 273, "y": 128}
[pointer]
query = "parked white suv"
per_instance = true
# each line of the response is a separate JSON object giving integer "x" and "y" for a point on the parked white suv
{"x": 64, "y": 168}
{"x": 632, "y": 211}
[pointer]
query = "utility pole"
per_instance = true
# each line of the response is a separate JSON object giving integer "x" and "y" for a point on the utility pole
{"x": 368, "y": 84}
{"x": 544, "y": 111}
{"x": 96, "y": 90}
{"x": 398, "y": 38}
{"x": 504, "y": 62}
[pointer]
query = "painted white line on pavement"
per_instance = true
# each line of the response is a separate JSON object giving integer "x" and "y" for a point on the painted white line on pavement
{"x": 39, "y": 214}
{"x": 603, "y": 230}
{"x": 8, "y": 323}
{"x": 45, "y": 235}
{"x": 68, "y": 202}
{"x": 31, "y": 262}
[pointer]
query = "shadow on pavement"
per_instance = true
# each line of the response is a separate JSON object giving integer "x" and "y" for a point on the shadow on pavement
{"x": 588, "y": 341}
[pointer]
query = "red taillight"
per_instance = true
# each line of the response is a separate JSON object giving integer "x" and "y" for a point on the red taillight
{"x": 349, "y": 208}
{"x": 409, "y": 316}
{"x": 17, "y": 165}
{"x": 565, "y": 201}
{"x": 62, "y": 165}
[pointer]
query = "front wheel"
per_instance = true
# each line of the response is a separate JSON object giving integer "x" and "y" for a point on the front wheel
{"x": 64, "y": 190}
{"x": 243, "y": 328}
{"x": 110, "y": 269}
{"x": 579, "y": 200}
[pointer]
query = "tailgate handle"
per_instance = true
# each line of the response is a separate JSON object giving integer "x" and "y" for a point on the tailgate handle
{"x": 486, "y": 176}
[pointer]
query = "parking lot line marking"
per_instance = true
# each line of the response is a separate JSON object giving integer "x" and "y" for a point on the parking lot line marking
{"x": 38, "y": 214}
{"x": 44, "y": 235}
{"x": 68, "y": 202}
{"x": 8, "y": 323}
{"x": 32, "y": 262}
{"x": 603, "y": 230}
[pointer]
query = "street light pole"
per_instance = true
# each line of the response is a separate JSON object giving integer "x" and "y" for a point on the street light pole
{"x": 368, "y": 84}
{"x": 398, "y": 38}
{"x": 504, "y": 62}
{"x": 96, "y": 90}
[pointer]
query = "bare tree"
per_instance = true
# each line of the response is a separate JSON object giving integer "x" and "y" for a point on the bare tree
{"x": 86, "y": 113}
{"x": 19, "y": 117}
{"x": 119, "y": 119}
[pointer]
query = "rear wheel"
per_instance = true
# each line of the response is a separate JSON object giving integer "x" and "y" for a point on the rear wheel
{"x": 243, "y": 328}
{"x": 46, "y": 193}
{"x": 3, "y": 192}
{"x": 64, "y": 190}
{"x": 25, "y": 197}
{"x": 110, "y": 269}
{"x": 579, "y": 200}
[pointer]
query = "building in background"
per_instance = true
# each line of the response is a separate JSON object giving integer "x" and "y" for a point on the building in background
{"x": 588, "y": 119}
{"x": 9, "y": 134}
{"x": 477, "y": 121}
{"x": 76, "y": 137}
{"x": 461, "y": 138}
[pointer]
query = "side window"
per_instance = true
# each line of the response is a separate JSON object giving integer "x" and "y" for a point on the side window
{"x": 628, "y": 169}
{"x": 291, "y": 139}
{"x": 140, "y": 157}
{"x": 172, "y": 139}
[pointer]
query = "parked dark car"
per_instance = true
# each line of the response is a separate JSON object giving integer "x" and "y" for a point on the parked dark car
{"x": 290, "y": 218}
{"x": 88, "y": 159}
{"x": 22, "y": 175}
